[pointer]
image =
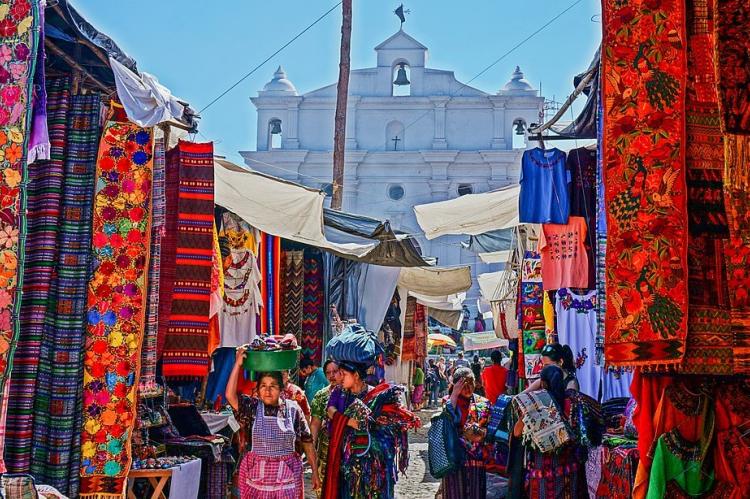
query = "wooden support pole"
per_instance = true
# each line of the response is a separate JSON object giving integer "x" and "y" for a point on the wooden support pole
{"x": 73, "y": 64}
{"x": 342, "y": 91}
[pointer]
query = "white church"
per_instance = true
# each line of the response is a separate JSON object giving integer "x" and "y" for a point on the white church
{"x": 414, "y": 135}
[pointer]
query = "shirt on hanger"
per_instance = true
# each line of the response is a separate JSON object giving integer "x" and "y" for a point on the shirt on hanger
{"x": 564, "y": 257}
{"x": 545, "y": 187}
{"x": 576, "y": 327}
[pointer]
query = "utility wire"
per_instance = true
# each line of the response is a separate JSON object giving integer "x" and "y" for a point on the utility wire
{"x": 225, "y": 92}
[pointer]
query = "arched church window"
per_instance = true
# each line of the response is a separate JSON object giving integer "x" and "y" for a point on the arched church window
{"x": 274, "y": 134}
{"x": 519, "y": 133}
{"x": 394, "y": 136}
{"x": 401, "y": 80}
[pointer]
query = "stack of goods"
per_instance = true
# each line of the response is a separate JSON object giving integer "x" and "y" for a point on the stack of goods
{"x": 161, "y": 463}
{"x": 273, "y": 343}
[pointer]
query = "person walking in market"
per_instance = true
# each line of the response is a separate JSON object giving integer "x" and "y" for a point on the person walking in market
{"x": 272, "y": 426}
{"x": 315, "y": 377}
{"x": 417, "y": 394}
{"x": 494, "y": 377}
{"x": 320, "y": 424}
{"x": 470, "y": 413}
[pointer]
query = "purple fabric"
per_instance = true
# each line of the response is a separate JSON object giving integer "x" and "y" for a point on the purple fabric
{"x": 39, "y": 145}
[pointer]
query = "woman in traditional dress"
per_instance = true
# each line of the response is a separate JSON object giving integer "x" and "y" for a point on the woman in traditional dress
{"x": 471, "y": 413}
{"x": 559, "y": 471}
{"x": 555, "y": 354}
{"x": 269, "y": 467}
{"x": 417, "y": 394}
{"x": 320, "y": 423}
{"x": 368, "y": 437}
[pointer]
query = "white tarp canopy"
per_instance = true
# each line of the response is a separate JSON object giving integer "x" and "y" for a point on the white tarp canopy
{"x": 471, "y": 214}
{"x": 450, "y": 318}
{"x": 277, "y": 207}
{"x": 449, "y": 302}
{"x": 435, "y": 281}
{"x": 482, "y": 341}
{"x": 495, "y": 257}
{"x": 490, "y": 285}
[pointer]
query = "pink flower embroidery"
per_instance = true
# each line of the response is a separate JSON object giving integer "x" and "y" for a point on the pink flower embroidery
{"x": 10, "y": 95}
{"x": 8, "y": 236}
{"x": 6, "y": 54}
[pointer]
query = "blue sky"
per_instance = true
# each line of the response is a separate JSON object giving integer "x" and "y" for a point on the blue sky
{"x": 199, "y": 48}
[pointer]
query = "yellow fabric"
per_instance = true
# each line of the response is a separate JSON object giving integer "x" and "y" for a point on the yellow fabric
{"x": 549, "y": 318}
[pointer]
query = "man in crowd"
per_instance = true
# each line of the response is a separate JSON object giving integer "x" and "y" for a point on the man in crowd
{"x": 315, "y": 378}
{"x": 494, "y": 377}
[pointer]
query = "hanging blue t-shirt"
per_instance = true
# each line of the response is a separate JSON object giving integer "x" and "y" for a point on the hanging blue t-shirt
{"x": 545, "y": 187}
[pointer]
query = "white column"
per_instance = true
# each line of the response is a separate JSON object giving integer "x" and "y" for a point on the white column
{"x": 291, "y": 137}
{"x": 351, "y": 121}
{"x": 498, "y": 125}
{"x": 439, "y": 141}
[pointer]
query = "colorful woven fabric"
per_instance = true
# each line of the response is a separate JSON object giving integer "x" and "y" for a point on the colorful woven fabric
{"x": 293, "y": 293}
{"x": 313, "y": 307}
{"x": 19, "y": 34}
{"x": 531, "y": 299}
{"x": 186, "y": 344}
{"x": 643, "y": 78}
{"x": 168, "y": 252}
{"x": 708, "y": 348}
{"x": 420, "y": 333}
{"x": 733, "y": 64}
{"x": 158, "y": 219}
{"x": 116, "y": 303}
{"x": 44, "y": 208}
{"x": 409, "y": 341}
{"x": 55, "y": 458}
{"x": 543, "y": 426}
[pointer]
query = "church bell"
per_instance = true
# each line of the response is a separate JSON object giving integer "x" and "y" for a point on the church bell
{"x": 275, "y": 127}
{"x": 401, "y": 78}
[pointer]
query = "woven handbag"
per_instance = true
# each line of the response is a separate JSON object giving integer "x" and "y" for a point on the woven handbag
{"x": 497, "y": 427}
{"x": 444, "y": 452}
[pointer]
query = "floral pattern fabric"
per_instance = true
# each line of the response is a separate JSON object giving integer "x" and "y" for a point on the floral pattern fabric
{"x": 116, "y": 302}
{"x": 644, "y": 72}
{"x": 19, "y": 37}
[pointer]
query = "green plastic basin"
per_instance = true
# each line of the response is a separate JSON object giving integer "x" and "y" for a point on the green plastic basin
{"x": 273, "y": 360}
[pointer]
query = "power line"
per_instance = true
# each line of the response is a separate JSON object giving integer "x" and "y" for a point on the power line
{"x": 506, "y": 54}
{"x": 225, "y": 92}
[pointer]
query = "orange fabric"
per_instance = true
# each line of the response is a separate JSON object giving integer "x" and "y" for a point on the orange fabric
{"x": 493, "y": 380}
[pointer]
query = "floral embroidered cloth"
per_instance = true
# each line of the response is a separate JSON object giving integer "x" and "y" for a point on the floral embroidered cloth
{"x": 116, "y": 303}
{"x": 643, "y": 84}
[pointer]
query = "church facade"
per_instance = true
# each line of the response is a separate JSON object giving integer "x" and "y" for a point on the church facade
{"x": 429, "y": 139}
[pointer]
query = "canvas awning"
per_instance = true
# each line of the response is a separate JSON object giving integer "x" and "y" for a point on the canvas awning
{"x": 435, "y": 281}
{"x": 296, "y": 213}
{"x": 495, "y": 257}
{"x": 489, "y": 242}
{"x": 471, "y": 214}
{"x": 482, "y": 341}
{"x": 449, "y": 318}
{"x": 490, "y": 285}
{"x": 277, "y": 207}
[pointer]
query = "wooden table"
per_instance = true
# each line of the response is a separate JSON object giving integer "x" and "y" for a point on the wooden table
{"x": 158, "y": 479}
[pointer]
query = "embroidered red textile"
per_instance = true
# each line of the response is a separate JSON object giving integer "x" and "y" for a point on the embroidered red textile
{"x": 733, "y": 65}
{"x": 116, "y": 303}
{"x": 643, "y": 84}
{"x": 186, "y": 344}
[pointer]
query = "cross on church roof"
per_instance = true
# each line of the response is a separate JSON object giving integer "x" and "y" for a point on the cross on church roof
{"x": 395, "y": 142}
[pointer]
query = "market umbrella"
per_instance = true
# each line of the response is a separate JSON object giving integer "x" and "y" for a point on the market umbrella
{"x": 439, "y": 340}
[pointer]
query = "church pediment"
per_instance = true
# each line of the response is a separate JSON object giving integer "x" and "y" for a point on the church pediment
{"x": 400, "y": 41}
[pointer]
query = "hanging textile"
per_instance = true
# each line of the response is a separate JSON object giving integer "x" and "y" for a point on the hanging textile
{"x": 293, "y": 293}
{"x": 531, "y": 318}
{"x": 601, "y": 240}
{"x": 58, "y": 412}
{"x": 314, "y": 313}
{"x": 644, "y": 118}
{"x": 20, "y": 37}
{"x": 185, "y": 352}
{"x": 733, "y": 63}
{"x": 116, "y": 303}
{"x": 708, "y": 348}
{"x": 409, "y": 341}
{"x": 242, "y": 299}
{"x": 576, "y": 327}
{"x": 39, "y": 140}
{"x": 158, "y": 219}
{"x": 44, "y": 216}
{"x": 420, "y": 333}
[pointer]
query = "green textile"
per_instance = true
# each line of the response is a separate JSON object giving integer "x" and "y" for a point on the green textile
{"x": 681, "y": 461}
{"x": 418, "y": 378}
